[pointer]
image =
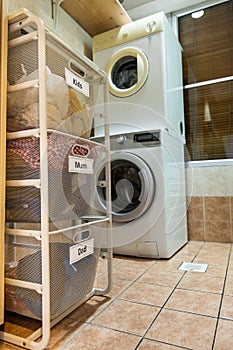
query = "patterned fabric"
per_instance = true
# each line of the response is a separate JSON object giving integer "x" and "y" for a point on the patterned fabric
{"x": 58, "y": 148}
{"x": 70, "y": 193}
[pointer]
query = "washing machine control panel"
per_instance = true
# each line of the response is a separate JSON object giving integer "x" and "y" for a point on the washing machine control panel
{"x": 135, "y": 140}
{"x": 147, "y": 137}
{"x": 121, "y": 139}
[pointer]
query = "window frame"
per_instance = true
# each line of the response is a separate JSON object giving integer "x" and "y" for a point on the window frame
{"x": 173, "y": 18}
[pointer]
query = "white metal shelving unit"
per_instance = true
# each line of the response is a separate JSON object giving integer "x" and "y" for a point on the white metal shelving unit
{"x": 39, "y": 238}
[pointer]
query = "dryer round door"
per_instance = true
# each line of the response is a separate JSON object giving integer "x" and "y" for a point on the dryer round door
{"x": 132, "y": 187}
{"x": 127, "y": 71}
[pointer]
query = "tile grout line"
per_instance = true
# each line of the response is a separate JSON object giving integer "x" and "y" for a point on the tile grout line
{"x": 230, "y": 214}
{"x": 221, "y": 301}
{"x": 162, "y": 308}
{"x": 114, "y": 299}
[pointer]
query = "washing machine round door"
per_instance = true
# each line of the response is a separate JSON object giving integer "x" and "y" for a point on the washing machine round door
{"x": 132, "y": 186}
{"x": 127, "y": 71}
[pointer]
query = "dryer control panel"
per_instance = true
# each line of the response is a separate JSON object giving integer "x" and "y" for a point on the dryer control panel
{"x": 129, "y": 32}
{"x": 147, "y": 138}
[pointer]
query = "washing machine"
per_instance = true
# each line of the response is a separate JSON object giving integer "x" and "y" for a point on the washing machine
{"x": 143, "y": 62}
{"x": 148, "y": 193}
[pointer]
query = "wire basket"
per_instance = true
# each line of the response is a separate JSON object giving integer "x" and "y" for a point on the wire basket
{"x": 69, "y": 283}
{"x": 71, "y": 190}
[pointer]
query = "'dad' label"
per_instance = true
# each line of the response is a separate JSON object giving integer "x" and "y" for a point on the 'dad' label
{"x": 81, "y": 250}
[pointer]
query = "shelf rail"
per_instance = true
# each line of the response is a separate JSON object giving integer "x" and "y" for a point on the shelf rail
{"x": 17, "y": 22}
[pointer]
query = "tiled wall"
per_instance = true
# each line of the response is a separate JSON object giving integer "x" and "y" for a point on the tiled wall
{"x": 210, "y": 203}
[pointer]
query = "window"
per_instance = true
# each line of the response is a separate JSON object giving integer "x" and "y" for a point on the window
{"x": 208, "y": 82}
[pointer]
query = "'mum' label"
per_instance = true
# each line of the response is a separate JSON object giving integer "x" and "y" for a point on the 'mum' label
{"x": 80, "y": 165}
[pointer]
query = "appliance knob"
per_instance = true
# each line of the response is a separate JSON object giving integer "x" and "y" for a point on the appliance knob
{"x": 151, "y": 26}
{"x": 121, "y": 139}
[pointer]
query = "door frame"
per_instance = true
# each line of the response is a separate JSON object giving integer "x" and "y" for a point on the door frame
{"x": 142, "y": 70}
{"x": 3, "y": 102}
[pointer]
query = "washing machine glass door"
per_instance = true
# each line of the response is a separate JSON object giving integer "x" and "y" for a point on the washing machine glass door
{"x": 132, "y": 186}
{"x": 127, "y": 71}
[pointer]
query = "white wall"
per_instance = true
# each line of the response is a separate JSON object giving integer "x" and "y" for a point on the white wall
{"x": 66, "y": 27}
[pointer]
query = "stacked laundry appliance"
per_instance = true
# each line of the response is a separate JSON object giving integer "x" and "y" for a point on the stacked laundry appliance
{"x": 143, "y": 63}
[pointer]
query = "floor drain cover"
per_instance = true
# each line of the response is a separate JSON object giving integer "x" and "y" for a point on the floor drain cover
{"x": 185, "y": 266}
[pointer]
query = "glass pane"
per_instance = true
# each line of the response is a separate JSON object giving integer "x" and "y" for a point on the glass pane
{"x": 207, "y": 44}
{"x": 126, "y": 186}
{"x": 209, "y": 122}
{"x": 207, "y": 55}
{"x": 124, "y": 72}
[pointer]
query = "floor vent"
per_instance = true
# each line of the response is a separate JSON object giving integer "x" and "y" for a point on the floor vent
{"x": 186, "y": 266}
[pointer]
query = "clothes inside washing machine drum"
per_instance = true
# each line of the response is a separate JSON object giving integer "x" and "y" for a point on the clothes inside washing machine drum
{"x": 124, "y": 72}
{"x": 67, "y": 191}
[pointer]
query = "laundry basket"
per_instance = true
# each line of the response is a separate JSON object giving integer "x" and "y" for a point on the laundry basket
{"x": 68, "y": 109}
{"x": 71, "y": 190}
{"x": 69, "y": 283}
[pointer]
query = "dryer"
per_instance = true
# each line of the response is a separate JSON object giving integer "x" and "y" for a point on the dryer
{"x": 143, "y": 62}
{"x": 148, "y": 193}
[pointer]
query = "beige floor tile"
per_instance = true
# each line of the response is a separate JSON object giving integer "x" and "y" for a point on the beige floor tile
{"x": 194, "y": 244}
{"x": 216, "y": 270}
{"x": 127, "y": 316}
{"x": 168, "y": 266}
{"x": 224, "y": 338}
{"x": 184, "y": 256}
{"x": 117, "y": 259}
{"x": 201, "y": 282}
{"x": 183, "y": 329}
{"x": 196, "y": 302}
{"x": 215, "y": 246}
{"x": 122, "y": 271}
{"x": 209, "y": 259}
{"x": 118, "y": 285}
{"x": 159, "y": 277}
{"x": 229, "y": 286}
{"x": 93, "y": 338}
{"x": 215, "y": 251}
{"x": 90, "y": 308}
{"x": 227, "y": 307}
{"x": 230, "y": 271}
{"x": 147, "y": 293}
{"x": 138, "y": 262}
{"x": 155, "y": 345}
{"x": 63, "y": 332}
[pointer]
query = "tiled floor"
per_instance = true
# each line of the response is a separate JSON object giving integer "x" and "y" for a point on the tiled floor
{"x": 153, "y": 305}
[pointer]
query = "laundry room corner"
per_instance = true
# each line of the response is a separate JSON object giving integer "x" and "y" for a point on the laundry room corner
{"x": 117, "y": 175}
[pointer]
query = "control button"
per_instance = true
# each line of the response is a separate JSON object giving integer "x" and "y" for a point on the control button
{"x": 121, "y": 139}
{"x": 151, "y": 26}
